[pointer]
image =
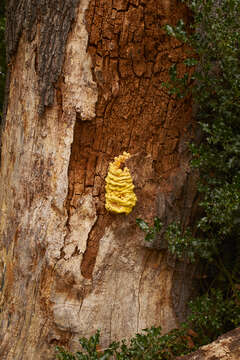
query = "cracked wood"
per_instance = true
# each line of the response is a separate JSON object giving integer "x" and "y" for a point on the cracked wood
{"x": 78, "y": 267}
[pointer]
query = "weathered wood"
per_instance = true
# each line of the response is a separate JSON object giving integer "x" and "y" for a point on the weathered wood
{"x": 226, "y": 347}
{"x": 68, "y": 266}
{"x": 53, "y": 20}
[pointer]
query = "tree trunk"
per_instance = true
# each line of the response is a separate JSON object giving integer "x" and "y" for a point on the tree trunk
{"x": 84, "y": 86}
{"x": 227, "y": 347}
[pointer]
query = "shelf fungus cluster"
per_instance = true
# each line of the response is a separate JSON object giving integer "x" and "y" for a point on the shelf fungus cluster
{"x": 120, "y": 197}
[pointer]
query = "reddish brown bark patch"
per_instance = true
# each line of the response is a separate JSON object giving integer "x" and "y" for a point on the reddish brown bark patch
{"x": 87, "y": 170}
{"x": 131, "y": 56}
{"x": 89, "y": 257}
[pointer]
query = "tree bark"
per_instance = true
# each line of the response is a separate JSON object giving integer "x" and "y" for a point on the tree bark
{"x": 226, "y": 347}
{"x": 85, "y": 85}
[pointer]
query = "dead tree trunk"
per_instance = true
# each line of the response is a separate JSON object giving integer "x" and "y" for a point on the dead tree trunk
{"x": 84, "y": 86}
{"x": 227, "y": 347}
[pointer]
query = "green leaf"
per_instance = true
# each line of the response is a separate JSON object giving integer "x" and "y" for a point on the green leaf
{"x": 157, "y": 224}
{"x": 142, "y": 224}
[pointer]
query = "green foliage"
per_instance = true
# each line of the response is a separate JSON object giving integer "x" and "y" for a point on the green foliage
{"x": 213, "y": 314}
{"x": 214, "y": 40}
{"x": 90, "y": 350}
{"x": 180, "y": 88}
{"x": 151, "y": 231}
{"x": 184, "y": 245}
{"x": 148, "y": 345}
{"x": 216, "y": 90}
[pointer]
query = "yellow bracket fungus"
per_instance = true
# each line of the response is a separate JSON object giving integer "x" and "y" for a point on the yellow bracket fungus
{"x": 119, "y": 197}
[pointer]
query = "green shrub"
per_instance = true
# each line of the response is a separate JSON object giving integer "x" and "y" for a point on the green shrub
{"x": 148, "y": 345}
{"x": 215, "y": 87}
{"x": 213, "y": 314}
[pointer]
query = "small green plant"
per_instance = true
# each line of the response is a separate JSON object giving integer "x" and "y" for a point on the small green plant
{"x": 215, "y": 87}
{"x": 151, "y": 231}
{"x": 90, "y": 350}
{"x": 151, "y": 344}
{"x": 213, "y": 314}
{"x": 181, "y": 244}
{"x": 184, "y": 245}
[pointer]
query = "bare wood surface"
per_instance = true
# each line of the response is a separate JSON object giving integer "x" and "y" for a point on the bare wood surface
{"x": 226, "y": 347}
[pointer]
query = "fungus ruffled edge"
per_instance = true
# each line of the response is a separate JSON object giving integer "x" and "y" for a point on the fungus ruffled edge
{"x": 119, "y": 197}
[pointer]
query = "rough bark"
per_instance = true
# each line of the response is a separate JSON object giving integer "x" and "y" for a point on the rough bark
{"x": 68, "y": 266}
{"x": 227, "y": 347}
{"x": 55, "y": 19}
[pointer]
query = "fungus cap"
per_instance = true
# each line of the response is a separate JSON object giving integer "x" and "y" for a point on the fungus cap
{"x": 119, "y": 197}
